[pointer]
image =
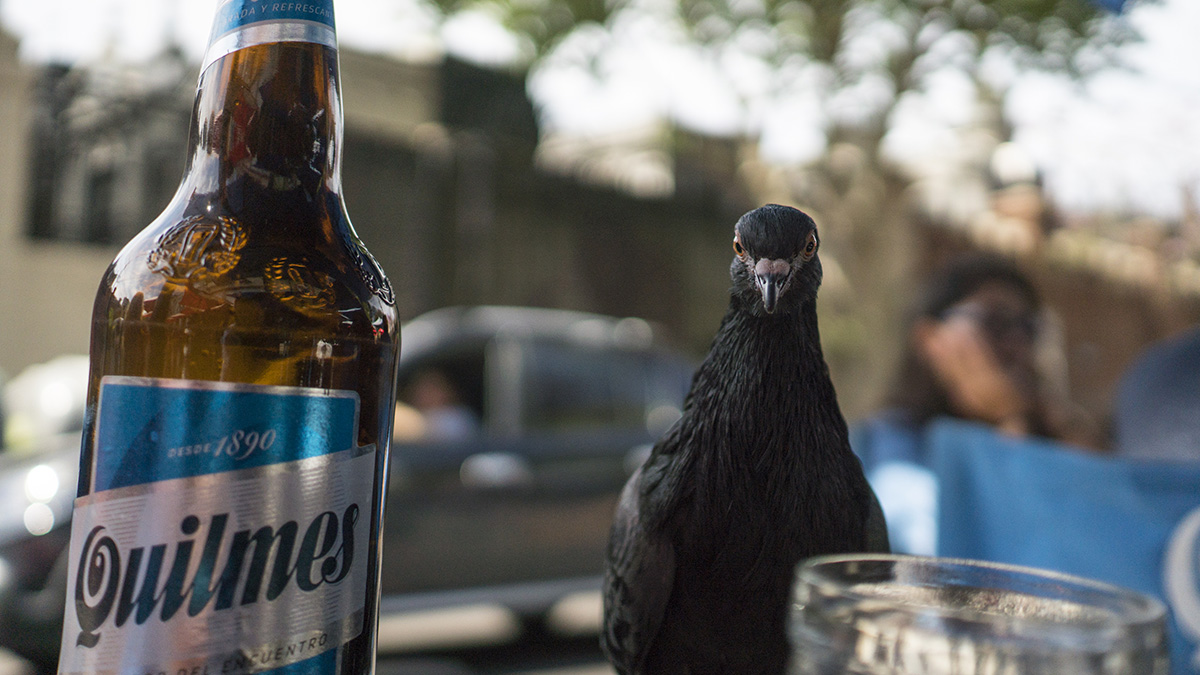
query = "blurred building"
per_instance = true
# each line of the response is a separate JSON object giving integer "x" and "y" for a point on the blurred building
{"x": 46, "y": 289}
{"x": 456, "y": 191}
{"x": 439, "y": 175}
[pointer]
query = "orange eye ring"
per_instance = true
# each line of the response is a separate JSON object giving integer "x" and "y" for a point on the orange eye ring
{"x": 810, "y": 247}
{"x": 737, "y": 248}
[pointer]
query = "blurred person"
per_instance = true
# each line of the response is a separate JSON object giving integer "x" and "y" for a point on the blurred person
{"x": 972, "y": 354}
{"x": 443, "y": 415}
{"x": 1156, "y": 415}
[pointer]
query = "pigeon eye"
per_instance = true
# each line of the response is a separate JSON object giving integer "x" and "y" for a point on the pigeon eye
{"x": 810, "y": 247}
{"x": 737, "y": 248}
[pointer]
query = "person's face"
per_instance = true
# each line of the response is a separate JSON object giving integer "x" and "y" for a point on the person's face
{"x": 983, "y": 349}
{"x": 1005, "y": 320}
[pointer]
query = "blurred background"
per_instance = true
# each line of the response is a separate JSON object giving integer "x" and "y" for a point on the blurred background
{"x": 593, "y": 155}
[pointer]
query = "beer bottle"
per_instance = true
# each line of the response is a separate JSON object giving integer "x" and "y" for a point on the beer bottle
{"x": 239, "y": 410}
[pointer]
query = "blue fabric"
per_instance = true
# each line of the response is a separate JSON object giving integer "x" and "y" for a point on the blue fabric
{"x": 893, "y": 453}
{"x": 887, "y": 437}
{"x": 1047, "y": 505}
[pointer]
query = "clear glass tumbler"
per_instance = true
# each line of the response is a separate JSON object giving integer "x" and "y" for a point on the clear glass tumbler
{"x": 905, "y": 615}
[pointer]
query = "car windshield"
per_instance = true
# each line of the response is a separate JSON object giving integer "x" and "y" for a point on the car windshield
{"x": 578, "y": 387}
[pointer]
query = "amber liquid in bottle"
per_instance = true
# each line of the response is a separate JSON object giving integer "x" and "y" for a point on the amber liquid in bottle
{"x": 253, "y": 275}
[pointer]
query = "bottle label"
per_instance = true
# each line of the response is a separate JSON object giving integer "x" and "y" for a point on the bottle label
{"x": 245, "y": 23}
{"x": 225, "y": 532}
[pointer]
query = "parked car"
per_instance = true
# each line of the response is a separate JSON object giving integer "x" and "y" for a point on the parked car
{"x": 500, "y": 496}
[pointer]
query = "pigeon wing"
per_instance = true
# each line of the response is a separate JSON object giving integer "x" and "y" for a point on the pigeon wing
{"x": 637, "y": 583}
{"x": 877, "y": 533}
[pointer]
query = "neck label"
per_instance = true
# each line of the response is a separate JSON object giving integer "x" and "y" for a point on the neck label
{"x": 245, "y": 23}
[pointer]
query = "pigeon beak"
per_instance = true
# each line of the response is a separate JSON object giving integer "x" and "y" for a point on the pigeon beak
{"x": 772, "y": 276}
{"x": 770, "y": 286}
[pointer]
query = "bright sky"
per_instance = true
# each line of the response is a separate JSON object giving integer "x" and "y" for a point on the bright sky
{"x": 1129, "y": 140}
{"x": 1136, "y": 138}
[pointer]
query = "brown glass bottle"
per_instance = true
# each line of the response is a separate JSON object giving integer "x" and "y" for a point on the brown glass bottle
{"x": 251, "y": 300}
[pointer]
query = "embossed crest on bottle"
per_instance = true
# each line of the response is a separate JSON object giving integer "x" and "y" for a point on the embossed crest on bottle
{"x": 294, "y": 282}
{"x": 198, "y": 247}
{"x": 241, "y": 391}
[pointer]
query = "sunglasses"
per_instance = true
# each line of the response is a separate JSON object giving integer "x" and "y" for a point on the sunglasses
{"x": 997, "y": 324}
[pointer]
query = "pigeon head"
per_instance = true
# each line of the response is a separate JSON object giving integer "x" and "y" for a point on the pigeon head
{"x": 775, "y": 267}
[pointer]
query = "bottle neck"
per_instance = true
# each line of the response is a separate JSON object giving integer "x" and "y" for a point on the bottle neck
{"x": 268, "y": 106}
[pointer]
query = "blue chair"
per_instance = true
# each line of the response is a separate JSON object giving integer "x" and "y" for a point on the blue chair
{"x": 1038, "y": 503}
{"x": 1156, "y": 414}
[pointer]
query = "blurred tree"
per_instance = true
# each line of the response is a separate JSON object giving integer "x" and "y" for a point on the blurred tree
{"x": 858, "y": 61}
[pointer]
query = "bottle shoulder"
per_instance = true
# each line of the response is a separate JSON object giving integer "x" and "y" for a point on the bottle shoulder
{"x": 293, "y": 270}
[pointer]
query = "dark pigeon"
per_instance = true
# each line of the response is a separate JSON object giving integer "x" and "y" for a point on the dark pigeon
{"x": 755, "y": 476}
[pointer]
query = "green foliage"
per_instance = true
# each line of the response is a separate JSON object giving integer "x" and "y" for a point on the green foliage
{"x": 543, "y": 23}
{"x": 888, "y": 46}
{"x": 1042, "y": 34}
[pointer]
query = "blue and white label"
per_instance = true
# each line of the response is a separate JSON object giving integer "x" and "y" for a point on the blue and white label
{"x": 226, "y": 531}
{"x": 151, "y": 430}
{"x": 235, "y": 14}
{"x": 244, "y": 23}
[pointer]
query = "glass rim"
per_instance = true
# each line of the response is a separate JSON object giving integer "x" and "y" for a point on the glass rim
{"x": 1127, "y": 608}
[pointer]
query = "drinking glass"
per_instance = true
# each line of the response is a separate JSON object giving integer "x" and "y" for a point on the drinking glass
{"x": 906, "y": 615}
